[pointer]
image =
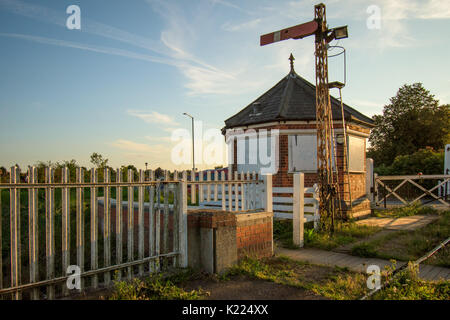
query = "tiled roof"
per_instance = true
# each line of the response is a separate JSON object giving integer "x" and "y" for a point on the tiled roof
{"x": 293, "y": 98}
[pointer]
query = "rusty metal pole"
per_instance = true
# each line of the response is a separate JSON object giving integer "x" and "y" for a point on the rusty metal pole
{"x": 327, "y": 187}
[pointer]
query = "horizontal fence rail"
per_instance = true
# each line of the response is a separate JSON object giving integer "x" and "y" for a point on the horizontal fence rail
{"x": 87, "y": 229}
{"x": 406, "y": 190}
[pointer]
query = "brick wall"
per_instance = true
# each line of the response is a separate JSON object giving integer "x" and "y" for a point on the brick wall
{"x": 217, "y": 239}
{"x": 254, "y": 235}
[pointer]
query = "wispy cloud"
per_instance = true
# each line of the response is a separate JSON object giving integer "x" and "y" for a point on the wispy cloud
{"x": 131, "y": 146}
{"x": 153, "y": 117}
{"x": 88, "y": 47}
{"x": 47, "y": 15}
{"x": 203, "y": 78}
{"x": 238, "y": 27}
{"x": 159, "y": 139}
{"x": 229, "y": 5}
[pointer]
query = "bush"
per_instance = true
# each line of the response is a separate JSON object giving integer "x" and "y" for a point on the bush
{"x": 426, "y": 161}
{"x": 156, "y": 287}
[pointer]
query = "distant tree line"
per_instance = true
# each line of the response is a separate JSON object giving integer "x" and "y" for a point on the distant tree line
{"x": 97, "y": 160}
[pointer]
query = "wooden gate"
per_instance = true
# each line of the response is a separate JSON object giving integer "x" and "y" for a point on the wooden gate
{"x": 392, "y": 191}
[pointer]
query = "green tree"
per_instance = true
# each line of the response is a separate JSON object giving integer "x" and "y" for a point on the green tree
{"x": 159, "y": 173}
{"x": 98, "y": 161}
{"x": 412, "y": 121}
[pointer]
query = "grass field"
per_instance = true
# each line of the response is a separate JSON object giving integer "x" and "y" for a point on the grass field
{"x": 347, "y": 233}
{"x": 411, "y": 245}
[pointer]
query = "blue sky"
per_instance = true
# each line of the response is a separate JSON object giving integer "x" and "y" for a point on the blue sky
{"x": 119, "y": 85}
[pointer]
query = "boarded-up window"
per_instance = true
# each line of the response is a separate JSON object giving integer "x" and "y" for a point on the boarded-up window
{"x": 302, "y": 153}
{"x": 356, "y": 146}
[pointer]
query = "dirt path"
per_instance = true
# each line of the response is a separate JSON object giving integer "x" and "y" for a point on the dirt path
{"x": 398, "y": 224}
{"x": 242, "y": 288}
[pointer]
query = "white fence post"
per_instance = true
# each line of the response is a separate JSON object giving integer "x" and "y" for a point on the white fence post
{"x": 298, "y": 209}
{"x": 193, "y": 186}
{"x": 182, "y": 218}
{"x": 316, "y": 206}
{"x": 224, "y": 194}
{"x": 369, "y": 175}
{"x": 268, "y": 203}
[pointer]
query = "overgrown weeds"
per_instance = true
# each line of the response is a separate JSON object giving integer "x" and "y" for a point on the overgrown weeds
{"x": 406, "y": 211}
{"x": 406, "y": 285}
{"x": 157, "y": 287}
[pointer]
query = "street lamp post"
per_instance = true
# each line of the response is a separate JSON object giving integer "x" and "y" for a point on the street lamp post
{"x": 193, "y": 156}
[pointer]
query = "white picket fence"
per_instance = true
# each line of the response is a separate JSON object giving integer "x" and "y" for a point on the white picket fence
{"x": 241, "y": 192}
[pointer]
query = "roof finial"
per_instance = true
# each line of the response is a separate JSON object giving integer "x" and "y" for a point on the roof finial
{"x": 291, "y": 58}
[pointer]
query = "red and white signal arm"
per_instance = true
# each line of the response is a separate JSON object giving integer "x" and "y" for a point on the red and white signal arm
{"x": 295, "y": 32}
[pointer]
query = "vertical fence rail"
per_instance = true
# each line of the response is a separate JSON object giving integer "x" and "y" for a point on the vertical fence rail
{"x": 224, "y": 194}
{"x": 130, "y": 223}
{"x": 236, "y": 192}
{"x": 193, "y": 187}
{"x": 182, "y": 230}
{"x": 141, "y": 221}
{"x": 151, "y": 224}
{"x": 80, "y": 223}
{"x": 33, "y": 236}
{"x": 176, "y": 203}
{"x": 50, "y": 230}
{"x": 107, "y": 225}
{"x": 230, "y": 190}
{"x": 208, "y": 186}
{"x": 158, "y": 225}
{"x": 200, "y": 187}
{"x": 15, "y": 231}
{"x": 119, "y": 225}
{"x": 216, "y": 185}
{"x": 166, "y": 216}
{"x": 254, "y": 193}
{"x": 243, "y": 195}
{"x": 65, "y": 226}
{"x": 94, "y": 228}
